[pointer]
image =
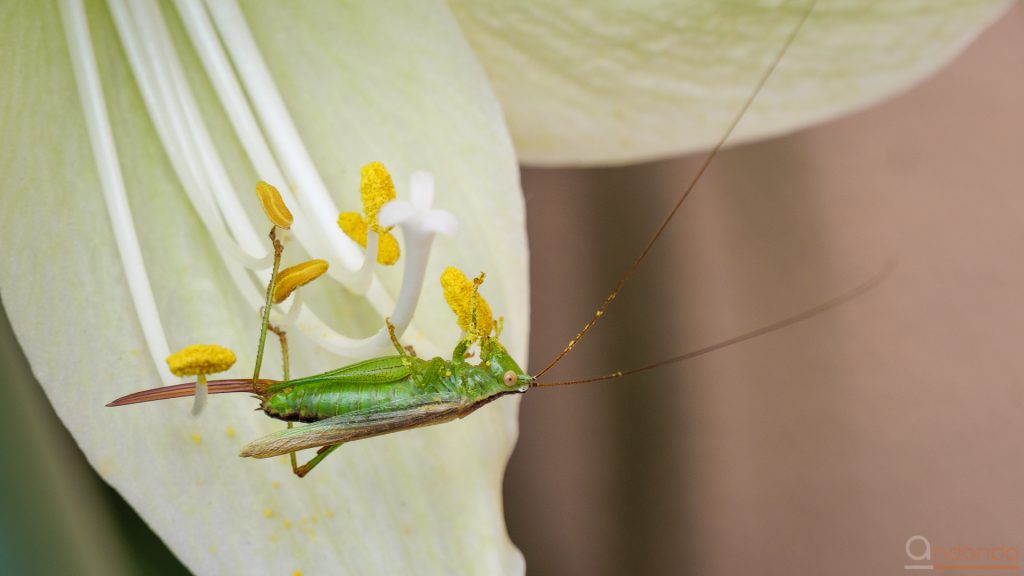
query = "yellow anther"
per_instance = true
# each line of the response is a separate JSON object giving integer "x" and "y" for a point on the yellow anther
{"x": 200, "y": 359}
{"x": 460, "y": 293}
{"x": 273, "y": 205}
{"x": 354, "y": 226}
{"x": 376, "y": 190}
{"x": 289, "y": 279}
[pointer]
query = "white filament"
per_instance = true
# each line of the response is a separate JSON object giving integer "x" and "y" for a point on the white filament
{"x": 284, "y": 137}
{"x": 174, "y": 113}
{"x": 236, "y": 105}
{"x": 142, "y": 45}
{"x": 194, "y": 157}
{"x": 201, "y": 395}
{"x": 76, "y": 28}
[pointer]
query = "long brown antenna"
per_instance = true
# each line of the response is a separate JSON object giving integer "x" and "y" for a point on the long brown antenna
{"x": 693, "y": 183}
{"x": 767, "y": 329}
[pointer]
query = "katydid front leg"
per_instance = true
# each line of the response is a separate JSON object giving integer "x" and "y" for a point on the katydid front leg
{"x": 402, "y": 350}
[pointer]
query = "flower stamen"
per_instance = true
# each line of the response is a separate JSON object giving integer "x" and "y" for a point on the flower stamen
{"x": 199, "y": 360}
{"x": 463, "y": 296}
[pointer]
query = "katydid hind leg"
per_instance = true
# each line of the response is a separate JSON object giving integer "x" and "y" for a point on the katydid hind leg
{"x": 285, "y": 369}
{"x": 306, "y": 468}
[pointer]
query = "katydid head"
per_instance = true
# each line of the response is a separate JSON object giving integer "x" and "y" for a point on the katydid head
{"x": 478, "y": 324}
{"x": 503, "y": 367}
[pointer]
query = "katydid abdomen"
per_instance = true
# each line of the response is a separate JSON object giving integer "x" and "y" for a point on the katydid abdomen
{"x": 395, "y": 382}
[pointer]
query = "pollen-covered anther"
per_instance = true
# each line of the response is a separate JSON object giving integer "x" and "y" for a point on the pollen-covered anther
{"x": 460, "y": 292}
{"x": 376, "y": 189}
{"x": 274, "y": 206}
{"x": 200, "y": 359}
{"x": 291, "y": 278}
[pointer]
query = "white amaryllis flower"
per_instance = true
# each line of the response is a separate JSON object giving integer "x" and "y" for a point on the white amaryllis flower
{"x": 322, "y": 88}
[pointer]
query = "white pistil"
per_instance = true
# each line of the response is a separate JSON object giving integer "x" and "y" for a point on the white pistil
{"x": 419, "y": 222}
{"x": 418, "y": 212}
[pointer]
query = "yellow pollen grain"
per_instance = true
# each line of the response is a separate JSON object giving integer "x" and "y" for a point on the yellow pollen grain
{"x": 291, "y": 278}
{"x": 200, "y": 359}
{"x": 297, "y": 573}
{"x": 273, "y": 205}
{"x": 275, "y": 484}
{"x": 460, "y": 292}
{"x": 329, "y": 513}
{"x": 376, "y": 189}
{"x": 355, "y": 227}
{"x": 197, "y": 439}
{"x": 230, "y": 432}
{"x": 267, "y": 512}
{"x": 287, "y": 523}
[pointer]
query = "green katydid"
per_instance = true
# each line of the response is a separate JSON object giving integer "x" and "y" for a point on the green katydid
{"x": 401, "y": 392}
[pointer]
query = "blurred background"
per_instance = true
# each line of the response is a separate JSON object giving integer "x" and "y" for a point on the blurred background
{"x": 823, "y": 448}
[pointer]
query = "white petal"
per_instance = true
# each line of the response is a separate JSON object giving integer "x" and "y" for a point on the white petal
{"x": 362, "y": 84}
{"x": 395, "y": 212}
{"x": 586, "y": 82}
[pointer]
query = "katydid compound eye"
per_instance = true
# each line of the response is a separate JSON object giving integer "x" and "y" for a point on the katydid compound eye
{"x": 510, "y": 378}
